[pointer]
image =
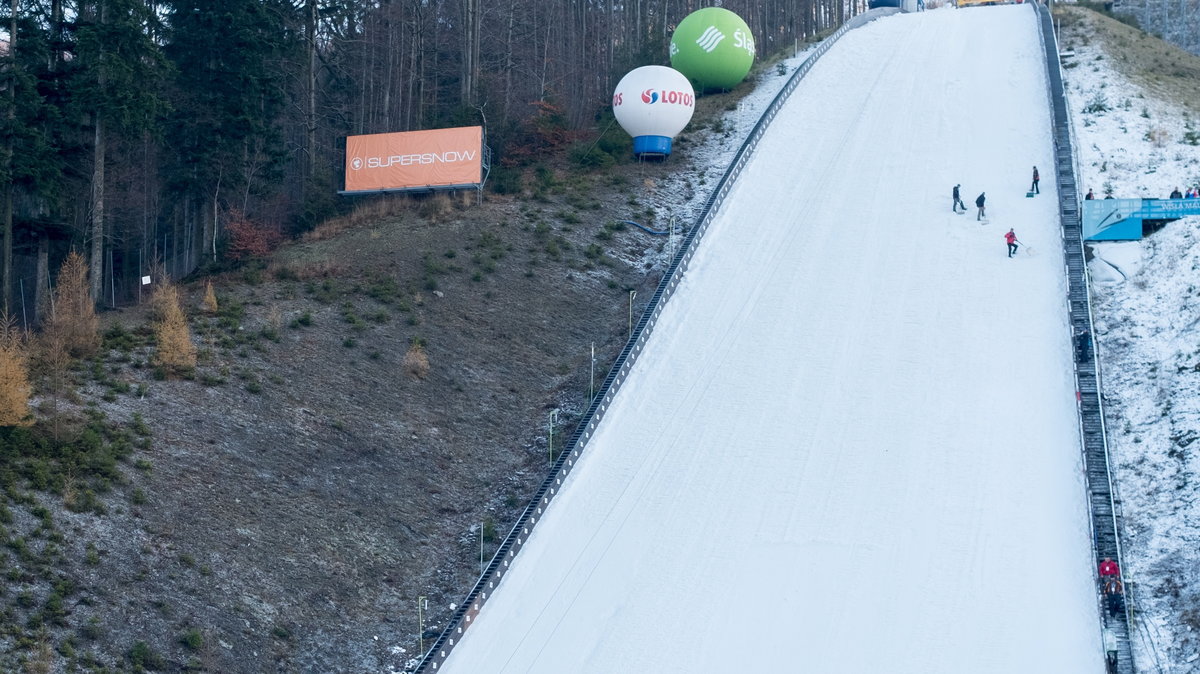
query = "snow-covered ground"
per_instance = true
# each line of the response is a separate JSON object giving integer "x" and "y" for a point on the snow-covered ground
{"x": 852, "y": 443}
{"x": 1146, "y": 302}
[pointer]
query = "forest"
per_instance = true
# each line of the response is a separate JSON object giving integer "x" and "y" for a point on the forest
{"x": 1176, "y": 21}
{"x": 179, "y": 135}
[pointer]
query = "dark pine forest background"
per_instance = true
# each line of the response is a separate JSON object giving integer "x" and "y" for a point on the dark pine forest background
{"x": 142, "y": 133}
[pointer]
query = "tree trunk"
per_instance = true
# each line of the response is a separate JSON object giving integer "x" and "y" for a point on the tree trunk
{"x": 99, "y": 156}
{"x": 6, "y": 244}
{"x": 99, "y": 145}
{"x": 42, "y": 293}
{"x": 470, "y": 51}
{"x": 208, "y": 242}
{"x": 310, "y": 113}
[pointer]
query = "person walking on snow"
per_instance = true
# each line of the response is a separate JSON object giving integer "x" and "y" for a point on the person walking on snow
{"x": 1011, "y": 238}
{"x": 958, "y": 201}
{"x": 1090, "y": 195}
{"x": 1034, "y": 188}
{"x": 979, "y": 203}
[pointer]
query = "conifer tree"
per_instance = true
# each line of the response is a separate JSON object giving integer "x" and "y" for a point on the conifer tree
{"x": 53, "y": 364}
{"x": 117, "y": 81}
{"x": 176, "y": 354}
{"x": 14, "y": 375}
{"x": 32, "y": 165}
{"x": 72, "y": 314}
{"x": 225, "y": 138}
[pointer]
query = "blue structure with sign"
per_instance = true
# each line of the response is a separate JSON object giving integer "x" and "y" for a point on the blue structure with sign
{"x": 1125, "y": 219}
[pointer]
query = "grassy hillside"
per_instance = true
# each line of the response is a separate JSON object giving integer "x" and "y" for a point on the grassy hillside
{"x": 368, "y": 414}
{"x": 1162, "y": 68}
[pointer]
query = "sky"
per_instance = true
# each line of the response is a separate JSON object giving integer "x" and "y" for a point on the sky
{"x": 851, "y": 444}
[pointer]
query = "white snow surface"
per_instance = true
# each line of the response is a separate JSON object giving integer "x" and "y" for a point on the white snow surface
{"x": 1146, "y": 305}
{"x": 851, "y": 444}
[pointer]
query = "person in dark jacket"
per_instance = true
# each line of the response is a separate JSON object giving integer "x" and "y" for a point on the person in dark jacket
{"x": 958, "y": 201}
{"x": 1090, "y": 195}
{"x": 1034, "y": 188}
{"x": 1110, "y": 580}
{"x": 979, "y": 203}
{"x": 1011, "y": 238}
{"x": 1176, "y": 194}
{"x": 1083, "y": 344}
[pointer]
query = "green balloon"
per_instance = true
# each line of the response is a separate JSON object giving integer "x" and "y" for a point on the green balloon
{"x": 713, "y": 48}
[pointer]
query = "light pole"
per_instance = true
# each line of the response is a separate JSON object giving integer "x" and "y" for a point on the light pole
{"x": 671, "y": 242}
{"x": 550, "y": 441}
{"x": 422, "y": 603}
{"x": 632, "y": 294}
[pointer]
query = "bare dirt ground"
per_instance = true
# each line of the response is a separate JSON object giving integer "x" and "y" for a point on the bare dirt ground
{"x": 309, "y": 485}
{"x": 305, "y": 488}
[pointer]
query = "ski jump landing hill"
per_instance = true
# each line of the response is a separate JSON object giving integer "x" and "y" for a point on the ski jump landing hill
{"x": 853, "y": 444}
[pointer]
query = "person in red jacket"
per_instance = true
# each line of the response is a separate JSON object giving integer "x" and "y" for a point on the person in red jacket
{"x": 1110, "y": 583}
{"x": 1011, "y": 238}
{"x": 1109, "y": 568}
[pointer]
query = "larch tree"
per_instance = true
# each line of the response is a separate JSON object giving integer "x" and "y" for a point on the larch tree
{"x": 14, "y": 375}
{"x": 175, "y": 353}
{"x": 210, "y": 299}
{"x": 72, "y": 314}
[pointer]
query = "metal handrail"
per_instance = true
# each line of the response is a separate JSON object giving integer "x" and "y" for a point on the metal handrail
{"x": 1078, "y": 280}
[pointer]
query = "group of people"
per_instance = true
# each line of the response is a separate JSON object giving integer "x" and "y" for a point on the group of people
{"x": 1191, "y": 193}
{"x": 980, "y": 203}
{"x": 958, "y": 202}
{"x": 1110, "y": 584}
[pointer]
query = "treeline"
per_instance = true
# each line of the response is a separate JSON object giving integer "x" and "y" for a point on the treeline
{"x": 1176, "y": 21}
{"x": 144, "y": 132}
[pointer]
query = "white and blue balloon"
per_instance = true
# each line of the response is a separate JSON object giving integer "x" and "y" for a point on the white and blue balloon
{"x": 653, "y": 104}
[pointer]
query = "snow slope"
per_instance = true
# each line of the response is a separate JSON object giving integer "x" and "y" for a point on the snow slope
{"x": 852, "y": 443}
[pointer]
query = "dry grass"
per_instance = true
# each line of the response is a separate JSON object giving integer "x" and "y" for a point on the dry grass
{"x": 210, "y": 299}
{"x": 435, "y": 207}
{"x": 370, "y": 213}
{"x": 1158, "y": 136}
{"x": 416, "y": 362}
{"x": 305, "y": 271}
{"x": 1162, "y": 68}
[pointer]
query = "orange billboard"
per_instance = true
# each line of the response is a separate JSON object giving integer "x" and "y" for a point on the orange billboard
{"x": 438, "y": 158}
